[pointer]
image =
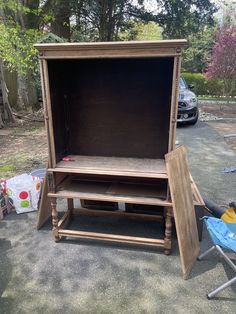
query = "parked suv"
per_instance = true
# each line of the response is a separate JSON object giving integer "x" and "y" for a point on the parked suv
{"x": 188, "y": 104}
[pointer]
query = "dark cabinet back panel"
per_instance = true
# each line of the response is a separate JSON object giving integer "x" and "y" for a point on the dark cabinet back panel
{"x": 111, "y": 107}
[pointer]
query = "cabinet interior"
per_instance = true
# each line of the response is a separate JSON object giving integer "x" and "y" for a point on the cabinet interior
{"x": 111, "y": 107}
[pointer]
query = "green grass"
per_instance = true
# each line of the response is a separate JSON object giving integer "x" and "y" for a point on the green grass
{"x": 222, "y": 99}
{"x": 7, "y": 168}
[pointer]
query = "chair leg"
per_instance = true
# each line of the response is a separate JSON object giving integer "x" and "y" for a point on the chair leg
{"x": 206, "y": 253}
{"x": 226, "y": 258}
{"x": 229, "y": 262}
{"x": 222, "y": 287}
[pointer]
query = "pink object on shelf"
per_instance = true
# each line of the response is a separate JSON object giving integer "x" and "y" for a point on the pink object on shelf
{"x": 67, "y": 158}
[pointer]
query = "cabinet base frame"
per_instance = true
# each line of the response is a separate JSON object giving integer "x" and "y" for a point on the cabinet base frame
{"x": 164, "y": 243}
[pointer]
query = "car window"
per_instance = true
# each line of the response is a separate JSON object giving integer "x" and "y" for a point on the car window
{"x": 182, "y": 83}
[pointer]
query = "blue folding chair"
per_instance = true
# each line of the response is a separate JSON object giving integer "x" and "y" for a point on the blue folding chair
{"x": 223, "y": 236}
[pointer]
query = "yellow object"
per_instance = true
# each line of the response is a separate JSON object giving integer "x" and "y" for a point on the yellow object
{"x": 229, "y": 215}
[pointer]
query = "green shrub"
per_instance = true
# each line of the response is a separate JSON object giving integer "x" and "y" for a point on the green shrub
{"x": 214, "y": 88}
{"x": 203, "y": 86}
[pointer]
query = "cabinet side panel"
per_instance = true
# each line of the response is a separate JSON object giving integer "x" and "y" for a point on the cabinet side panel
{"x": 49, "y": 114}
{"x": 174, "y": 103}
{"x": 45, "y": 110}
{"x": 59, "y": 79}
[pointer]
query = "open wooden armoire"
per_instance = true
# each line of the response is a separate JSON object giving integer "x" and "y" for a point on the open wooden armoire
{"x": 110, "y": 112}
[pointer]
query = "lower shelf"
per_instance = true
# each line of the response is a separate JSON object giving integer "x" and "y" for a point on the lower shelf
{"x": 63, "y": 231}
{"x": 126, "y": 192}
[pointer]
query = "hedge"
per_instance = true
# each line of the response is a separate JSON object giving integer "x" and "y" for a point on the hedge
{"x": 203, "y": 86}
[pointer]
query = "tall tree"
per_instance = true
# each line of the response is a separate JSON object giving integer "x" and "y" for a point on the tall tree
{"x": 198, "y": 51}
{"x": 59, "y": 13}
{"x": 19, "y": 30}
{"x": 102, "y": 20}
{"x": 29, "y": 20}
{"x": 180, "y": 18}
{"x": 5, "y": 109}
{"x": 92, "y": 20}
{"x": 223, "y": 62}
{"x": 227, "y": 12}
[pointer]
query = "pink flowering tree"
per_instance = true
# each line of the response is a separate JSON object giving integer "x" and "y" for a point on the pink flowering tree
{"x": 223, "y": 61}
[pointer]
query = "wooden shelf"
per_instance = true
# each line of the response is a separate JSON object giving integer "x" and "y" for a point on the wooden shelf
{"x": 149, "y": 194}
{"x": 134, "y": 167}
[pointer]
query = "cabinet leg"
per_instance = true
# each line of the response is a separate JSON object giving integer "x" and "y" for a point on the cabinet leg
{"x": 168, "y": 231}
{"x": 70, "y": 204}
{"x": 55, "y": 219}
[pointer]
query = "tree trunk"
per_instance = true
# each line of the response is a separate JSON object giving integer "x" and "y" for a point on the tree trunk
{"x": 110, "y": 24}
{"x": 27, "y": 92}
{"x": 108, "y": 18}
{"x": 5, "y": 109}
{"x": 61, "y": 24}
{"x": 11, "y": 82}
{"x": 102, "y": 20}
{"x": 31, "y": 20}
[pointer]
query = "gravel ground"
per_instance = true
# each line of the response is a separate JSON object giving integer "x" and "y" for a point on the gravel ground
{"x": 40, "y": 276}
{"x": 23, "y": 148}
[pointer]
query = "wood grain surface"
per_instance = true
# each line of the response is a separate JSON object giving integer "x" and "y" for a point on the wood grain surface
{"x": 184, "y": 214}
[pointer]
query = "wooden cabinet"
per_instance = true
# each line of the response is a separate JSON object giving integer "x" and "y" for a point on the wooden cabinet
{"x": 110, "y": 108}
{"x": 112, "y": 100}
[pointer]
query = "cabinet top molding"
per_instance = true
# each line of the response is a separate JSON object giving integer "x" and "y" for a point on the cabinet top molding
{"x": 111, "y": 49}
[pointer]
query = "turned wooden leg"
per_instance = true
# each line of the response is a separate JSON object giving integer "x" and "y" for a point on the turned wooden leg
{"x": 55, "y": 219}
{"x": 168, "y": 231}
{"x": 70, "y": 204}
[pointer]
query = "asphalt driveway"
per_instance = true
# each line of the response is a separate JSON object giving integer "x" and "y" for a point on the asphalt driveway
{"x": 208, "y": 156}
{"x": 40, "y": 276}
